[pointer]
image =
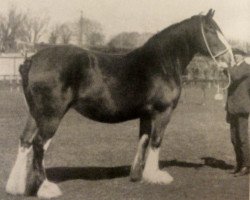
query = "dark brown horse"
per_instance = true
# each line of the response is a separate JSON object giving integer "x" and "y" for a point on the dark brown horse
{"x": 144, "y": 84}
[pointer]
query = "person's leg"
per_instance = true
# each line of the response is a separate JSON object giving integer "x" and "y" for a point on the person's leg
{"x": 234, "y": 126}
{"x": 244, "y": 143}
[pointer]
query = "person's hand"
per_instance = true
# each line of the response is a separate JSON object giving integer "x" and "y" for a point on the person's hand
{"x": 222, "y": 66}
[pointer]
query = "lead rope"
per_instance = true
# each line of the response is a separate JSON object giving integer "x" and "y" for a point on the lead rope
{"x": 228, "y": 83}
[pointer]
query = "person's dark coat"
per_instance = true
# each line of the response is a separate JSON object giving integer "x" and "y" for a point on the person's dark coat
{"x": 238, "y": 100}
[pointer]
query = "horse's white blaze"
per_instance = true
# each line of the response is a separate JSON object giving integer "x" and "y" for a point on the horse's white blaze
{"x": 227, "y": 45}
{"x": 17, "y": 179}
{"x": 142, "y": 141}
{"x": 48, "y": 190}
{"x": 151, "y": 172}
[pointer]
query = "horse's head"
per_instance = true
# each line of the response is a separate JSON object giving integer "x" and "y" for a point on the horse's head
{"x": 212, "y": 41}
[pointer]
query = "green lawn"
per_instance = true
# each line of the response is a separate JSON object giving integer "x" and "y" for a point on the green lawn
{"x": 91, "y": 160}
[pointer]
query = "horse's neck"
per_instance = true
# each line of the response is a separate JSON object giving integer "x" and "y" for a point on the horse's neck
{"x": 179, "y": 51}
{"x": 170, "y": 53}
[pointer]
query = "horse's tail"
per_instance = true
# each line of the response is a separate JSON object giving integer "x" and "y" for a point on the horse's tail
{"x": 24, "y": 71}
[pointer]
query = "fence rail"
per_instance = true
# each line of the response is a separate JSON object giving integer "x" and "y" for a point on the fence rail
{"x": 9, "y": 66}
{"x": 9, "y": 74}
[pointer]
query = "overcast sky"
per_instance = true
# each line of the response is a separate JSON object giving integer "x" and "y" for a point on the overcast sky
{"x": 233, "y": 16}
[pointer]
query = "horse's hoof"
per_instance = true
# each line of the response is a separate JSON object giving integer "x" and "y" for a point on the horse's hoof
{"x": 136, "y": 173}
{"x": 48, "y": 190}
{"x": 15, "y": 189}
{"x": 157, "y": 177}
{"x": 135, "y": 177}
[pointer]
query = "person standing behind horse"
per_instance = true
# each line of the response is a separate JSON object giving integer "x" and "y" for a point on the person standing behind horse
{"x": 238, "y": 108}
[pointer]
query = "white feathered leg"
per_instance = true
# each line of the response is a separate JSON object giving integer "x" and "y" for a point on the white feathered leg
{"x": 152, "y": 173}
{"x": 17, "y": 180}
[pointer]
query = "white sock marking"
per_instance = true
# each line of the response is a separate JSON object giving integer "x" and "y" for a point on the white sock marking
{"x": 151, "y": 172}
{"x": 142, "y": 142}
{"x": 152, "y": 160}
{"x": 17, "y": 179}
{"x": 46, "y": 146}
{"x": 48, "y": 190}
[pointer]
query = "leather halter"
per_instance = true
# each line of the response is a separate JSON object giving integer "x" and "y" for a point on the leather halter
{"x": 215, "y": 56}
{"x": 209, "y": 49}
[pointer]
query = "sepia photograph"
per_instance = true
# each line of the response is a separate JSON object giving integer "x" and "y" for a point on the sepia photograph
{"x": 124, "y": 100}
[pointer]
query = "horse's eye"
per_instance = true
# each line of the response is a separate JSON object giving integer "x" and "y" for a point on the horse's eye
{"x": 210, "y": 30}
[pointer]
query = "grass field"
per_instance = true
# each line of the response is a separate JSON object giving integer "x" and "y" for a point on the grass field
{"x": 91, "y": 160}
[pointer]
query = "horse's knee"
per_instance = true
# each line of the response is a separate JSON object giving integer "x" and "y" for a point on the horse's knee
{"x": 156, "y": 141}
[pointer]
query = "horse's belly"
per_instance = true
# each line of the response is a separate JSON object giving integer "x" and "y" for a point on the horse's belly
{"x": 102, "y": 111}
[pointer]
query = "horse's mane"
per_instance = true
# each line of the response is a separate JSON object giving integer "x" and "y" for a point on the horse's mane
{"x": 167, "y": 33}
{"x": 162, "y": 47}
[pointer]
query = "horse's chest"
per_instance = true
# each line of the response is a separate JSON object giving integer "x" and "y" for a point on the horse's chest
{"x": 164, "y": 96}
{"x": 168, "y": 95}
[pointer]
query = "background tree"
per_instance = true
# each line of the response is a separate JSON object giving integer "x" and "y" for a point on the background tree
{"x": 34, "y": 28}
{"x": 54, "y": 35}
{"x": 86, "y": 30}
{"x": 95, "y": 39}
{"x": 129, "y": 40}
{"x": 11, "y": 28}
{"x": 65, "y": 33}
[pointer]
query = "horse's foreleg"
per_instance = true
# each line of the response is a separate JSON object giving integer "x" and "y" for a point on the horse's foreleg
{"x": 151, "y": 172}
{"x": 16, "y": 183}
{"x": 139, "y": 161}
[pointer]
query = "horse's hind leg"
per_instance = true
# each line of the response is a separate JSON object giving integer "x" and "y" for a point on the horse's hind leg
{"x": 48, "y": 108}
{"x": 139, "y": 161}
{"x": 28, "y": 174}
{"x": 17, "y": 179}
{"x": 151, "y": 172}
{"x": 37, "y": 182}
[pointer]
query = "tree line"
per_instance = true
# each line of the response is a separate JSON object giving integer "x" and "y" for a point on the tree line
{"x": 25, "y": 30}
{"x": 19, "y": 30}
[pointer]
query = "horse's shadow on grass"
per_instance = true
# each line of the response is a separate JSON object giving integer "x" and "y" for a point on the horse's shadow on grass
{"x": 207, "y": 161}
{"x": 60, "y": 174}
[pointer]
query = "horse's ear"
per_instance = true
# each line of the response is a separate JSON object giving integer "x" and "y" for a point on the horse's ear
{"x": 213, "y": 13}
{"x": 210, "y": 14}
